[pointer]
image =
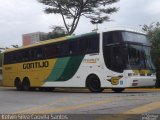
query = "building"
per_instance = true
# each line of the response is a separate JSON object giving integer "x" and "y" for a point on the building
{"x": 31, "y": 38}
{"x": 35, "y": 37}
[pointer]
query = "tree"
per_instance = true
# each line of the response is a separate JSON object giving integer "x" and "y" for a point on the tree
{"x": 52, "y": 35}
{"x": 72, "y": 10}
{"x": 57, "y": 31}
{"x": 153, "y": 31}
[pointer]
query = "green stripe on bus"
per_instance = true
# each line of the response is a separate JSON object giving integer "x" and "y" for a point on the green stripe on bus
{"x": 58, "y": 69}
{"x": 71, "y": 68}
{"x": 65, "y": 68}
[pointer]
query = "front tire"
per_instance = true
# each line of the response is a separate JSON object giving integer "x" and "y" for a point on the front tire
{"x": 93, "y": 84}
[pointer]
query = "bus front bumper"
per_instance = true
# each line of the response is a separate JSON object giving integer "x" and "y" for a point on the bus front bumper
{"x": 144, "y": 81}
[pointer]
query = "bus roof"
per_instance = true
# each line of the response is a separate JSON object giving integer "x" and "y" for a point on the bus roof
{"x": 125, "y": 29}
{"x": 51, "y": 41}
{"x": 71, "y": 37}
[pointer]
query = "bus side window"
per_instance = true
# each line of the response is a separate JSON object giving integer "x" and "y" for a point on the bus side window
{"x": 20, "y": 56}
{"x": 93, "y": 45}
{"x": 26, "y": 55}
{"x": 39, "y": 53}
{"x": 64, "y": 51}
{"x": 50, "y": 51}
{"x": 83, "y": 45}
{"x": 10, "y": 59}
{"x": 14, "y": 57}
{"x": 6, "y": 58}
{"x": 57, "y": 50}
{"x": 73, "y": 47}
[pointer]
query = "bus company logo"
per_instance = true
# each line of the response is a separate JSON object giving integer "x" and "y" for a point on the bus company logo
{"x": 35, "y": 65}
{"x": 91, "y": 60}
{"x": 115, "y": 80}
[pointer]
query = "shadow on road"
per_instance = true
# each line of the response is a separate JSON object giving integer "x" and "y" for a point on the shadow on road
{"x": 77, "y": 90}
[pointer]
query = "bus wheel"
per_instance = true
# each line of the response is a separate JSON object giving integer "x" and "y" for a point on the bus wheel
{"x": 118, "y": 90}
{"x": 18, "y": 84}
{"x": 26, "y": 84}
{"x": 93, "y": 84}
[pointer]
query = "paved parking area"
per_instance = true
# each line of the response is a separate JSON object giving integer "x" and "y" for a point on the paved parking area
{"x": 81, "y": 102}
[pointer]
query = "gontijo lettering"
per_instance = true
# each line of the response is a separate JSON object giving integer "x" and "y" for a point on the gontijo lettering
{"x": 34, "y": 65}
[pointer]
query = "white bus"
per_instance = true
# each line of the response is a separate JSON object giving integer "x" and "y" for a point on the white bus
{"x": 115, "y": 59}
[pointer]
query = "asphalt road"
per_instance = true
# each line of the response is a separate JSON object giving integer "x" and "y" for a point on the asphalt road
{"x": 100, "y": 106}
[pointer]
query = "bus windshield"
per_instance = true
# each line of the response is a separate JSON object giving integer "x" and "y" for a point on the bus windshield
{"x": 139, "y": 57}
{"x": 116, "y": 58}
{"x": 126, "y": 50}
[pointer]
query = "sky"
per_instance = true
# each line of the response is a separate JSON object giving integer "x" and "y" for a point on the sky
{"x": 18, "y": 17}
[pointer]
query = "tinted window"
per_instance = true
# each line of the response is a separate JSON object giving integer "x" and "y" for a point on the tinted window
{"x": 112, "y": 37}
{"x": 93, "y": 44}
{"x": 139, "y": 57}
{"x": 72, "y": 47}
{"x": 115, "y": 58}
{"x": 64, "y": 49}
{"x": 83, "y": 45}
{"x": 135, "y": 37}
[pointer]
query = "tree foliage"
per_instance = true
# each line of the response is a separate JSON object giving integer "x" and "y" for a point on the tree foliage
{"x": 57, "y": 31}
{"x": 52, "y": 35}
{"x": 96, "y": 10}
{"x": 153, "y": 31}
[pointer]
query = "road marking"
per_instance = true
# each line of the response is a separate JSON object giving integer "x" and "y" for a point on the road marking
{"x": 41, "y": 107}
{"x": 144, "y": 108}
{"x": 73, "y": 107}
{"x": 28, "y": 110}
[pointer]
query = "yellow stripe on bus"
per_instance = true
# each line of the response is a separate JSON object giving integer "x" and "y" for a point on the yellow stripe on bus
{"x": 27, "y": 69}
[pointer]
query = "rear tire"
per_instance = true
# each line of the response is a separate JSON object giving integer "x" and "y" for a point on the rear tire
{"x": 18, "y": 84}
{"x": 93, "y": 84}
{"x": 26, "y": 84}
{"x": 118, "y": 90}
